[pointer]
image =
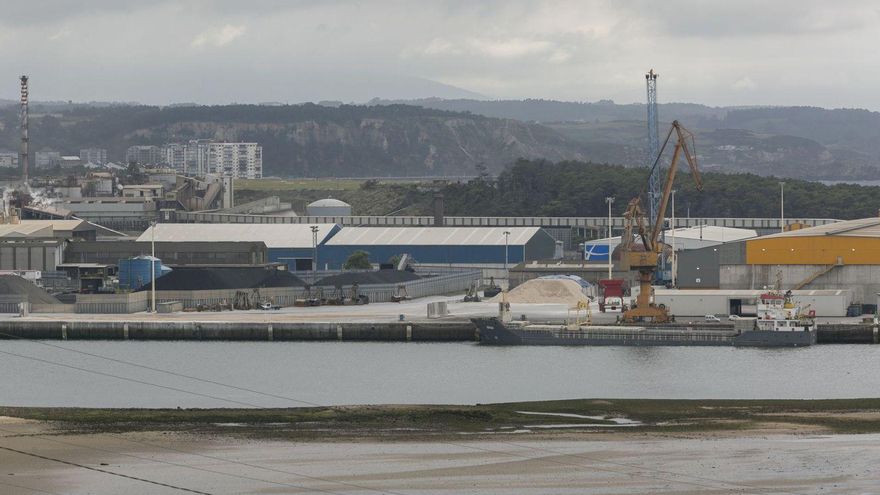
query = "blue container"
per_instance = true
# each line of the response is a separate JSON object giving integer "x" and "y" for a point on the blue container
{"x": 134, "y": 273}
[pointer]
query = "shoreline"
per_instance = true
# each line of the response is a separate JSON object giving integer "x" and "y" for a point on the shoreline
{"x": 559, "y": 418}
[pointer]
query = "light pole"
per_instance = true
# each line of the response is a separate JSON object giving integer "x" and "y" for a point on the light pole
{"x": 609, "y": 200}
{"x": 782, "y": 206}
{"x": 314, "y": 249}
{"x": 506, "y": 244}
{"x": 673, "y": 239}
{"x": 153, "y": 266}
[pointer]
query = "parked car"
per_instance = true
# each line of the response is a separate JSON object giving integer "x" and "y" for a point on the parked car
{"x": 734, "y": 317}
{"x": 712, "y": 318}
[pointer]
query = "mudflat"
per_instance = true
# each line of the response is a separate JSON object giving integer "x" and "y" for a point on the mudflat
{"x": 557, "y": 447}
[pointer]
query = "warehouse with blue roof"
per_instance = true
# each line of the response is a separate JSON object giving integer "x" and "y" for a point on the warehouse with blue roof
{"x": 439, "y": 245}
{"x": 289, "y": 243}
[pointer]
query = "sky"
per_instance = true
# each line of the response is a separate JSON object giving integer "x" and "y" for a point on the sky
{"x": 743, "y": 52}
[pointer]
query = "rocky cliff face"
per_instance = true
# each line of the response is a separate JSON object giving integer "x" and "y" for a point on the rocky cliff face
{"x": 309, "y": 140}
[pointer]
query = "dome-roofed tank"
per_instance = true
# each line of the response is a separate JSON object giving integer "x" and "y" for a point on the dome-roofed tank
{"x": 328, "y": 207}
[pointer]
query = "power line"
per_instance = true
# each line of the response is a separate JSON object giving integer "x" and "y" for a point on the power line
{"x": 133, "y": 380}
{"x": 672, "y": 473}
{"x": 105, "y": 471}
{"x": 37, "y": 490}
{"x": 159, "y": 370}
{"x": 169, "y": 463}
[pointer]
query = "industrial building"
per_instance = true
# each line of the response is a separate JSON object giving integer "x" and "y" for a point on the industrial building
{"x": 698, "y": 303}
{"x": 291, "y": 244}
{"x": 457, "y": 246}
{"x": 841, "y": 255}
{"x": 684, "y": 239}
{"x": 171, "y": 253}
{"x": 39, "y": 245}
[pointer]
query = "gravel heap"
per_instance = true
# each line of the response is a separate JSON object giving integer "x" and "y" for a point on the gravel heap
{"x": 225, "y": 278}
{"x": 544, "y": 291}
{"x": 13, "y": 285}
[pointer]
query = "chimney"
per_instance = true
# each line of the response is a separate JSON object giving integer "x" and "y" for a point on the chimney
{"x": 25, "y": 153}
{"x": 438, "y": 210}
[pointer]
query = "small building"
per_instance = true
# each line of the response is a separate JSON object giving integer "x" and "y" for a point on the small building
{"x": 328, "y": 207}
{"x": 456, "y": 246}
{"x": 70, "y": 161}
{"x": 143, "y": 191}
{"x": 290, "y": 244}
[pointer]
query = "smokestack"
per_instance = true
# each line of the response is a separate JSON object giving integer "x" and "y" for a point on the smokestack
{"x": 438, "y": 210}
{"x": 23, "y": 157}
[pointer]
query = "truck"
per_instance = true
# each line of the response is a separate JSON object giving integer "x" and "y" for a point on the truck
{"x": 611, "y": 295}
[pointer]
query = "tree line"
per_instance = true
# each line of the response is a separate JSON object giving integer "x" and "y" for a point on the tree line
{"x": 570, "y": 188}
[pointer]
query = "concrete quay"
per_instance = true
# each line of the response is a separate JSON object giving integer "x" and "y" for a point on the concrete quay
{"x": 86, "y": 329}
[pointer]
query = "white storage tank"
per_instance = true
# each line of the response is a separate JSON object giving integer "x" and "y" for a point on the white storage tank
{"x": 328, "y": 207}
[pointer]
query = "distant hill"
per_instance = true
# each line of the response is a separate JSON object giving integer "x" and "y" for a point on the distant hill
{"x": 308, "y": 139}
{"x": 805, "y": 142}
{"x": 465, "y": 137}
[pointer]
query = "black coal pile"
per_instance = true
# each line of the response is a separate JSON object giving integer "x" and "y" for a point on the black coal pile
{"x": 225, "y": 278}
{"x": 13, "y": 285}
{"x": 366, "y": 278}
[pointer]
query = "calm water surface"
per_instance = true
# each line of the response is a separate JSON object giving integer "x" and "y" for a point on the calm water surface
{"x": 333, "y": 373}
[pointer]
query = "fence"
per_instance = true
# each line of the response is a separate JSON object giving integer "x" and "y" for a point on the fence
{"x": 286, "y": 296}
{"x": 132, "y": 302}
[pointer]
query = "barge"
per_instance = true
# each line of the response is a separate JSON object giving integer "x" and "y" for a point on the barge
{"x": 780, "y": 323}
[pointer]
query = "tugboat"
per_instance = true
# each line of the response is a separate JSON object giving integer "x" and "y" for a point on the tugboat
{"x": 780, "y": 322}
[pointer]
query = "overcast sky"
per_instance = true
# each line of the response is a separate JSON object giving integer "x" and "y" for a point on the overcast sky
{"x": 727, "y": 52}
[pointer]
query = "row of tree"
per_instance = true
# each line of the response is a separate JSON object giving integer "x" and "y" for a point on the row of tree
{"x": 538, "y": 188}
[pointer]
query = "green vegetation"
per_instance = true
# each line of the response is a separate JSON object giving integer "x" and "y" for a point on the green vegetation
{"x": 834, "y": 416}
{"x": 358, "y": 260}
{"x": 538, "y": 188}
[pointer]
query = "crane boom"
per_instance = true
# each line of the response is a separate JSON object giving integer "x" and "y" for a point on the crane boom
{"x": 645, "y": 262}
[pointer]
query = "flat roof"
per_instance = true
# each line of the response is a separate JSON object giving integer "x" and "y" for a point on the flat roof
{"x": 710, "y": 233}
{"x": 274, "y": 235}
{"x": 860, "y": 227}
{"x": 433, "y": 236}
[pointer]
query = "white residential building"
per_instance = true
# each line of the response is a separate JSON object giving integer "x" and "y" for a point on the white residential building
{"x": 238, "y": 160}
{"x": 174, "y": 156}
{"x": 143, "y": 155}
{"x": 47, "y": 159}
{"x": 8, "y": 159}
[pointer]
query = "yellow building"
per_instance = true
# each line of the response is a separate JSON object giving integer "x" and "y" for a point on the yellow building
{"x": 851, "y": 242}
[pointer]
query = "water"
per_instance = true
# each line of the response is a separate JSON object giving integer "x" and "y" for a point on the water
{"x": 334, "y": 373}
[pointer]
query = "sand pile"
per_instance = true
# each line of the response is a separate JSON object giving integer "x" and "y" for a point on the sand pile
{"x": 13, "y": 285}
{"x": 543, "y": 291}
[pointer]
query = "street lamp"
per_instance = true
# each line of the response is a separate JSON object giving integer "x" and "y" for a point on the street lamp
{"x": 153, "y": 266}
{"x": 506, "y": 244}
{"x": 314, "y": 249}
{"x": 674, "y": 267}
{"x": 782, "y": 206}
{"x": 609, "y": 200}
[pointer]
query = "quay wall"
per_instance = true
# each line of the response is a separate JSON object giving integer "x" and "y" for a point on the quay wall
{"x": 403, "y": 331}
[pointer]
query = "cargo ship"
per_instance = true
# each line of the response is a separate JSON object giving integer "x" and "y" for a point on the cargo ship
{"x": 780, "y": 323}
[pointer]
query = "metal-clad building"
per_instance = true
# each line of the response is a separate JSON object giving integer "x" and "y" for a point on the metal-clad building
{"x": 700, "y": 268}
{"x": 439, "y": 245}
{"x": 292, "y": 244}
{"x": 697, "y": 303}
{"x": 685, "y": 238}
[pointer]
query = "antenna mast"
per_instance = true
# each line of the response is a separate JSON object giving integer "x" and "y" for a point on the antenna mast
{"x": 23, "y": 157}
{"x": 653, "y": 144}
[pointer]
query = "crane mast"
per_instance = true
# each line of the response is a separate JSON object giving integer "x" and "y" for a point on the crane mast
{"x": 644, "y": 260}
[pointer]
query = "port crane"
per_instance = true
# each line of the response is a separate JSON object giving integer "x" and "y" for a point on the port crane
{"x": 644, "y": 258}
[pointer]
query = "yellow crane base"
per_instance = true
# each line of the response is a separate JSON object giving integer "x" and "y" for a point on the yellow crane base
{"x": 655, "y": 314}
